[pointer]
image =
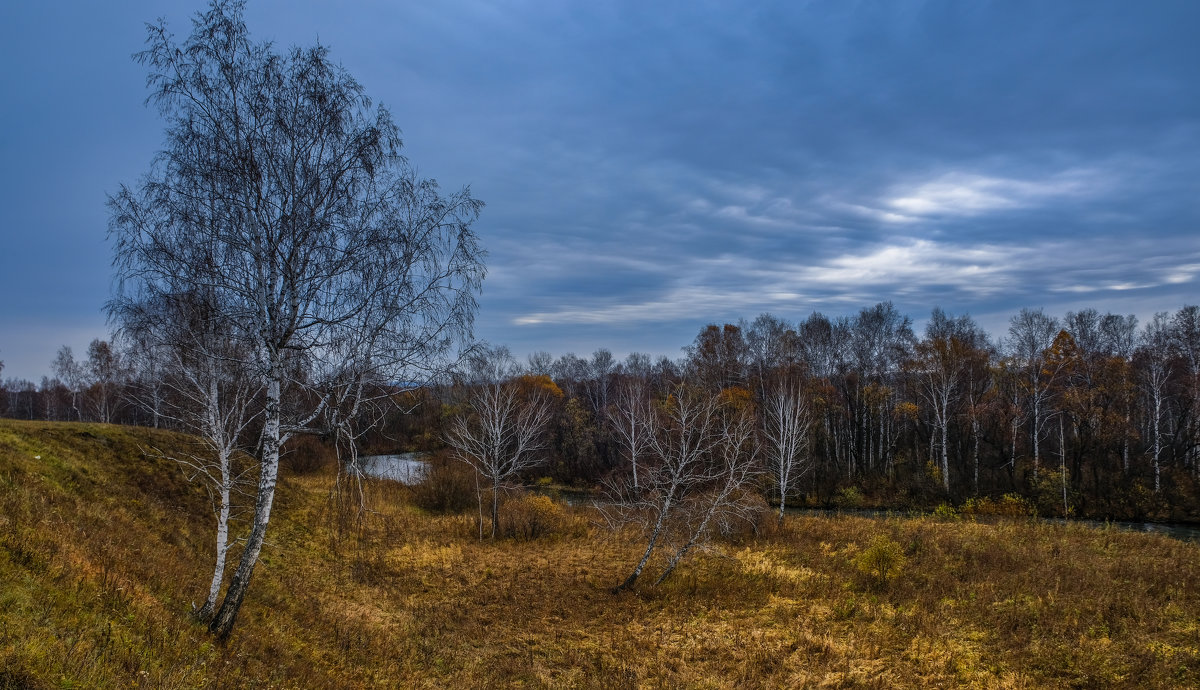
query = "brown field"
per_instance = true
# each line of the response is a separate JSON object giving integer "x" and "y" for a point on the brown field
{"x": 104, "y": 550}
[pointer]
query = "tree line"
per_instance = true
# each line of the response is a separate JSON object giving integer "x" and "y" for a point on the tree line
{"x": 1089, "y": 414}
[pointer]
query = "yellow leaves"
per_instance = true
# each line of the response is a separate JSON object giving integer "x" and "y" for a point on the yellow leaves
{"x": 883, "y": 560}
{"x": 907, "y": 411}
{"x": 737, "y": 399}
{"x": 533, "y": 385}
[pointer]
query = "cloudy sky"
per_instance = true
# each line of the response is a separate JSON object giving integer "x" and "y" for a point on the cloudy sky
{"x": 652, "y": 167}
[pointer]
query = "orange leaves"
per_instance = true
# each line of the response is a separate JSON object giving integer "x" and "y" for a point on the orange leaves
{"x": 907, "y": 411}
{"x": 737, "y": 398}
{"x": 538, "y": 385}
{"x": 1063, "y": 356}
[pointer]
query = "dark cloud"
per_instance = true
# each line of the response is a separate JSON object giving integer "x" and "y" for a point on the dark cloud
{"x": 649, "y": 168}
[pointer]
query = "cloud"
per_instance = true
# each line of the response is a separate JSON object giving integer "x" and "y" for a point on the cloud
{"x": 918, "y": 272}
{"x": 967, "y": 194}
{"x": 741, "y": 285}
{"x": 921, "y": 263}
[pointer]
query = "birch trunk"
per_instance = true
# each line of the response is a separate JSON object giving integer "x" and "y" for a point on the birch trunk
{"x": 222, "y": 623}
{"x": 214, "y": 588}
{"x": 945, "y": 456}
{"x": 641, "y": 565}
{"x": 495, "y": 505}
{"x": 1062, "y": 456}
{"x": 975, "y": 451}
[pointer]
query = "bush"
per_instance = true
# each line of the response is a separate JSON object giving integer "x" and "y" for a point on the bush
{"x": 304, "y": 454}
{"x": 881, "y": 561}
{"x": 945, "y": 511}
{"x": 447, "y": 487}
{"x": 850, "y": 497}
{"x": 752, "y": 518}
{"x": 1048, "y": 492}
{"x": 530, "y": 517}
{"x": 1008, "y": 505}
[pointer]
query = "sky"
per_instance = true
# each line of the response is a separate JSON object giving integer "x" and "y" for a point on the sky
{"x": 649, "y": 168}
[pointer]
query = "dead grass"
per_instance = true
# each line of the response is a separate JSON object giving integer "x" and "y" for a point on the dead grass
{"x": 103, "y": 550}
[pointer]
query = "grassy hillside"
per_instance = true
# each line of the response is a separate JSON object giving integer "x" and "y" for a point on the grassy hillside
{"x": 103, "y": 550}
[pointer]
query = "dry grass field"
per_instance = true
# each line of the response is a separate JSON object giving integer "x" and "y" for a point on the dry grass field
{"x": 103, "y": 551}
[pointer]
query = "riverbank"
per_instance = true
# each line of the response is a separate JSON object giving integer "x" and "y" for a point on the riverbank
{"x": 1184, "y": 531}
{"x": 102, "y": 550}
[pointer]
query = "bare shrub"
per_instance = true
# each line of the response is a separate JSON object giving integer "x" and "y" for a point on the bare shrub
{"x": 307, "y": 454}
{"x": 532, "y": 516}
{"x": 447, "y": 487}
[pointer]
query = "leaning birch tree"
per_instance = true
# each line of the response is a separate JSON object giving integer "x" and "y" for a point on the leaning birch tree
{"x": 701, "y": 466}
{"x": 685, "y": 432}
{"x": 203, "y": 387}
{"x": 281, "y": 190}
{"x": 730, "y": 474}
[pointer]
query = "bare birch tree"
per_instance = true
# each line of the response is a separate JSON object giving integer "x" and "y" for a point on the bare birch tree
{"x": 702, "y": 462}
{"x": 503, "y": 429}
{"x": 786, "y": 419}
{"x": 1031, "y": 333}
{"x": 106, "y": 375}
{"x": 730, "y": 474}
{"x": 1155, "y": 356}
{"x": 282, "y": 191}
{"x": 946, "y": 365}
{"x": 209, "y": 393}
{"x": 72, "y": 375}
{"x": 630, "y": 417}
{"x": 1185, "y": 329}
{"x": 685, "y": 433}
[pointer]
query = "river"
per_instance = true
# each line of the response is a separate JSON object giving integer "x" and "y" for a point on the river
{"x": 407, "y": 468}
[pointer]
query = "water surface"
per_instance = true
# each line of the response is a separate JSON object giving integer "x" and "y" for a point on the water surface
{"x": 407, "y": 468}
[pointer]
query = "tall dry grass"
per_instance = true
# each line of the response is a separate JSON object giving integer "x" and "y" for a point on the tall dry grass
{"x": 103, "y": 550}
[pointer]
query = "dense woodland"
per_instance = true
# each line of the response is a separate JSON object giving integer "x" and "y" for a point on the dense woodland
{"x": 886, "y": 417}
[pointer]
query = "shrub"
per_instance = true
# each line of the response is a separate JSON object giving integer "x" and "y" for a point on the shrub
{"x": 304, "y": 454}
{"x": 849, "y": 497}
{"x": 1048, "y": 492}
{"x": 1008, "y": 505}
{"x": 945, "y": 511}
{"x": 881, "y": 561}
{"x": 749, "y": 516}
{"x": 447, "y": 487}
{"x": 530, "y": 517}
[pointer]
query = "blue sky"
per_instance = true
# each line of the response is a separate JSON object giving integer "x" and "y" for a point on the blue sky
{"x": 652, "y": 167}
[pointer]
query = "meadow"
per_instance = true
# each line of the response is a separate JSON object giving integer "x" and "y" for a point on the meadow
{"x": 104, "y": 550}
